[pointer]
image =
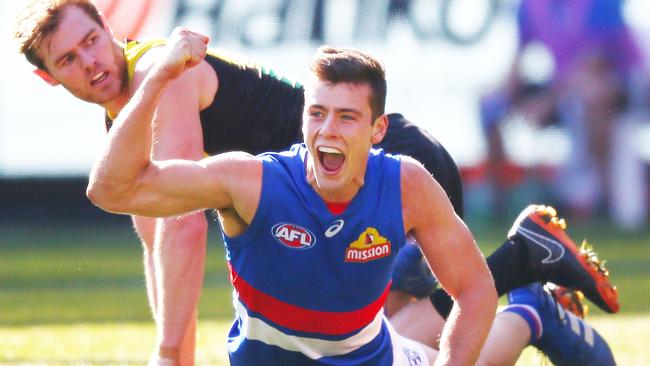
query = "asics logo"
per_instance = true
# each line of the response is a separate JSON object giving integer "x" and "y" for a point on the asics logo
{"x": 553, "y": 247}
{"x": 334, "y": 229}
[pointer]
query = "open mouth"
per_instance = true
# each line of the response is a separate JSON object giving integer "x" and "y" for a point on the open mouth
{"x": 331, "y": 159}
{"x": 98, "y": 78}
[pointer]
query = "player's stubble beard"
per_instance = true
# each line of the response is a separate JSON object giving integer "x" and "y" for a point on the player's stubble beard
{"x": 119, "y": 59}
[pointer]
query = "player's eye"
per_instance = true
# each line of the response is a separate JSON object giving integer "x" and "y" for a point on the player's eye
{"x": 91, "y": 40}
{"x": 316, "y": 114}
{"x": 67, "y": 60}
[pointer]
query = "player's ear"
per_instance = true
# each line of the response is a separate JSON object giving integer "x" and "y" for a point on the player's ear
{"x": 45, "y": 76}
{"x": 379, "y": 128}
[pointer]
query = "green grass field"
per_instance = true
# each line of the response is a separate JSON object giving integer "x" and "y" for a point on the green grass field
{"x": 74, "y": 294}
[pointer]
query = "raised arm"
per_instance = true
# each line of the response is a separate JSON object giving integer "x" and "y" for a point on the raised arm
{"x": 133, "y": 175}
{"x": 124, "y": 178}
{"x": 456, "y": 262}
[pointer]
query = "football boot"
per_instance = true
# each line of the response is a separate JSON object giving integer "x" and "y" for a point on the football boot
{"x": 563, "y": 337}
{"x": 554, "y": 257}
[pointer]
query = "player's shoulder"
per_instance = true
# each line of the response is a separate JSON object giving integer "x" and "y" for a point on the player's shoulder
{"x": 411, "y": 168}
{"x": 415, "y": 179}
{"x": 141, "y": 57}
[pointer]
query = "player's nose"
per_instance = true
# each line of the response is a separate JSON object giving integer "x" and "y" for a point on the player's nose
{"x": 328, "y": 128}
{"x": 87, "y": 60}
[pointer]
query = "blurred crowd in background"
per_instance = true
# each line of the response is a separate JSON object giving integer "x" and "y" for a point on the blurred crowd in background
{"x": 596, "y": 90}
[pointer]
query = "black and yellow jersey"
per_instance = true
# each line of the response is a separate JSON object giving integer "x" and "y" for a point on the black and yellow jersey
{"x": 254, "y": 110}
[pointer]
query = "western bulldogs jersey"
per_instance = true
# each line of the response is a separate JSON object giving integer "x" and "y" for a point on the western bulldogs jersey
{"x": 310, "y": 285}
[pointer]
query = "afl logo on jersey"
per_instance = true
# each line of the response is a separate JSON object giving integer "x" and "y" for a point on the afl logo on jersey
{"x": 293, "y": 236}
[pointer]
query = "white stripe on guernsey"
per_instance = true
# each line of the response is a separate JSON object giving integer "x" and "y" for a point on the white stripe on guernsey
{"x": 256, "y": 329}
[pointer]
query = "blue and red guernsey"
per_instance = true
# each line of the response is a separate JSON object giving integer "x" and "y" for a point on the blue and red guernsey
{"x": 310, "y": 285}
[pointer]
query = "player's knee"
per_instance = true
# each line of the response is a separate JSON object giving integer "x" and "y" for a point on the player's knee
{"x": 396, "y": 300}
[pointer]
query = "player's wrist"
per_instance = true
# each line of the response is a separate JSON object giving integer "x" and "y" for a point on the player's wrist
{"x": 169, "y": 352}
{"x": 159, "y": 77}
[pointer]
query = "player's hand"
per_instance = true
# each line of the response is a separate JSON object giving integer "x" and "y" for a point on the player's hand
{"x": 165, "y": 356}
{"x": 184, "y": 50}
{"x": 159, "y": 361}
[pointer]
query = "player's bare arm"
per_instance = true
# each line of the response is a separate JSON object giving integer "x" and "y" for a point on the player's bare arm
{"x": 184, "y": 50}
{"x": 455, "y": 260}
{"x": 176, "y": 134}
{"x": 126, "y": 180}
{"x": 172, "y": 187}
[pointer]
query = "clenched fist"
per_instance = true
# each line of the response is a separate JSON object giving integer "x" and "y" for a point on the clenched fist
{"x": 184, "y": 50}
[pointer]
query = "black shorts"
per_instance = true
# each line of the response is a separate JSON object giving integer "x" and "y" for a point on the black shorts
{"x": 406, "y": 138}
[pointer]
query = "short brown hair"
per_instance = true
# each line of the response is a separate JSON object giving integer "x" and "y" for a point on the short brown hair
{"x": 346, "y": 65}
{"x": 42, "y": 17}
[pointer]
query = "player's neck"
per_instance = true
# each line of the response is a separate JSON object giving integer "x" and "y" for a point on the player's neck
{"x": 330, "y": 190}
{"x": 115, "y": 105}
{"x": 334, "y": 194}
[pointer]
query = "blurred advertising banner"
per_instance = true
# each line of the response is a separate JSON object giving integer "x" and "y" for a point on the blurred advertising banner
{"x": 254, "y": 23}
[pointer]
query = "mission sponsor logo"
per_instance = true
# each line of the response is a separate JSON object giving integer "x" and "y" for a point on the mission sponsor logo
{"x": 293, "y": 236}
{"x": 368, "y": 247}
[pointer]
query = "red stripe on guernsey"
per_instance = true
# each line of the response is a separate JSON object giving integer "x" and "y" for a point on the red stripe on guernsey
{"x": 304, "y": 320}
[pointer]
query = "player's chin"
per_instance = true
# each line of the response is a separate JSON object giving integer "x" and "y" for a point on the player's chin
{"x": 328, "y": 181}
{"x": 96, "y": 97}
{"x": 103, "y": 95}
